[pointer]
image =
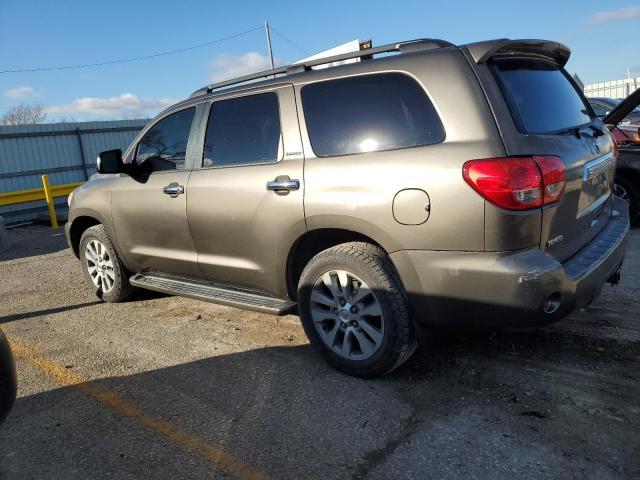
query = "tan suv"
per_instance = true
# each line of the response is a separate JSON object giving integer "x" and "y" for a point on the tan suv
{"x": 436, "y": 185}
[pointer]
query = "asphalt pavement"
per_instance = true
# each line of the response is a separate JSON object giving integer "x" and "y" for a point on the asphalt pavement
{"x": 167, "y": 387}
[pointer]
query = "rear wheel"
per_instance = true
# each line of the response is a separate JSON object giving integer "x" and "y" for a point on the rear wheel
{"x": 102, "y": 267}
{"x": 354, "y": 311}
{"x": 630, "y": 193}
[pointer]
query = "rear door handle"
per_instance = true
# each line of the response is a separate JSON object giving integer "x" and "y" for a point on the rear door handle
{"x": 283, "y": 184}
{"x": 173, "y": 190}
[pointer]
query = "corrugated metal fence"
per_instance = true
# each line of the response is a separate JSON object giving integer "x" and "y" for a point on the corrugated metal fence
{"x": 65, "y": 151}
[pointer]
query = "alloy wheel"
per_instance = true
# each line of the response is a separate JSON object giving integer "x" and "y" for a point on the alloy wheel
{"x": 347, "y": 315}
{"x": 99, "y": 265}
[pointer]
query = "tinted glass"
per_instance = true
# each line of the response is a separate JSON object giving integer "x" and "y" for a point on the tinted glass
{"x": 600, "y": 109}
{"x": 615, "y": 102}
{"x": 369, "y": 113}
{"x": 540, "y": 95}
{"x": 243, "y": 130}
{"x": 164, "y": 146}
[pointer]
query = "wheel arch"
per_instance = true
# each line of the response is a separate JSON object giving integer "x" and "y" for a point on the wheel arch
{"x": 313, "y": 242}
{"x": 82, "y": 219}
{"x": 78, "y": 226}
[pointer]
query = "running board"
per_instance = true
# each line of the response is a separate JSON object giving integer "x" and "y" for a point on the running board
{"x": 215, "y": 293}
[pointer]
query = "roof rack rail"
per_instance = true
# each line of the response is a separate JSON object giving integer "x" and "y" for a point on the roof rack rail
{"x": 409, "y": 46}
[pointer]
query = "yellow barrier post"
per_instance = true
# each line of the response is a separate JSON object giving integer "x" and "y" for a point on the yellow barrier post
{"x": 49, "y": 198}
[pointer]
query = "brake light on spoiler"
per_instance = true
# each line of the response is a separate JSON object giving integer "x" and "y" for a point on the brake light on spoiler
{"x": 517, "y": 183}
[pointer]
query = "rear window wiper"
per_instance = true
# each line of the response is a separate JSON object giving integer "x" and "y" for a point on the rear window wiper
{"x": 596, "y": 130}
{"x": 569, "y": 131}
{"x": 576, "y": 130}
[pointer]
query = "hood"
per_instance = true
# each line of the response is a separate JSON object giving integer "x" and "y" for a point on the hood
{"x": 628, "y": 104}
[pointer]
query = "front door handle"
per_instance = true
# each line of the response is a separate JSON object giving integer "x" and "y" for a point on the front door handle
{"x": 173, "y": 190}
{"x": 283, "y": 184}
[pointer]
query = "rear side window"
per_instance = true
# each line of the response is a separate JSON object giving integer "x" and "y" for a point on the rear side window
{"x": 540, "y": 95}
{"x": 243, "y": 131}
{"x": 369, "y": 113}
{"x": 164, "y": 146}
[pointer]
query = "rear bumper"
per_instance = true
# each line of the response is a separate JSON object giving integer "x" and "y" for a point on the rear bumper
{"x": 510, "y": 290}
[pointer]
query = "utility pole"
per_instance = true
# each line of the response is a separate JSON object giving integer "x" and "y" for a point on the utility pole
{"x": 266, "y": 29}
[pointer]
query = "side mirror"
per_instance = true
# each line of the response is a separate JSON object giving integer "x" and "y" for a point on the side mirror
{"x": 110, "y": 162}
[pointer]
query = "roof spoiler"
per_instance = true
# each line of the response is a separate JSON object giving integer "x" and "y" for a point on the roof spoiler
{"x": 557, "y": 52}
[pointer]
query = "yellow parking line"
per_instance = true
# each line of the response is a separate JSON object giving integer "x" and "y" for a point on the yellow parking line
{"x": 170, "y": 432}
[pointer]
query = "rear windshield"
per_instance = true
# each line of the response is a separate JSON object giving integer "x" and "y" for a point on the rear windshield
{"x": 540, "y": 95}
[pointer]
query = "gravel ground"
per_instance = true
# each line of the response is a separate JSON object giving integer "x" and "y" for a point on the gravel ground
{"x": 167, "y": 387}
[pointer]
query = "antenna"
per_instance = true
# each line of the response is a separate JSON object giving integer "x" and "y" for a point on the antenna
{"x": 266, "y": 29}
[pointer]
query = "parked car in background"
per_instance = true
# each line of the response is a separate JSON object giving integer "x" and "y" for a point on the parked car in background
{"x": 626, "y": 134}
{"x": 8, "y": 380}
{"x": 433, "y": 187}
{"x": 627, "y": 137}
{"x": 603, "y": 106}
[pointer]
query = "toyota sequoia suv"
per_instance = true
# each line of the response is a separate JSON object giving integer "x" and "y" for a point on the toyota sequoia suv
{"x": 435, "y": 185}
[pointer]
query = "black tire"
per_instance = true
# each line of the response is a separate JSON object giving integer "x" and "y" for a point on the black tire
{"x": 8, "y": 379}
{"x": 371, "y": 264}
{"x": 633, "y": 195}
{"x": 121, "y": 289}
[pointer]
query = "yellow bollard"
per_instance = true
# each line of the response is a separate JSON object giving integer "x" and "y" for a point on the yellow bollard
{"x": 49, "y": 198}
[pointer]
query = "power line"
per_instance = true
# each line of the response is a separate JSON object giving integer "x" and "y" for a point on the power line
{"x": 287, "y": 40}
{"x": 132, "y": 59}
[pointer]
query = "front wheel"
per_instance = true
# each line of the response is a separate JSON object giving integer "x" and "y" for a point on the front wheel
{"x": 354, "y": 310}
{"x": 102, "y": 267}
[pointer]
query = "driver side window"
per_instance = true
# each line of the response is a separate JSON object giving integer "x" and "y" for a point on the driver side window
{"x": 164, "y": 146}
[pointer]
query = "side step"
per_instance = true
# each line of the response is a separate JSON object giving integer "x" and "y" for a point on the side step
{"x": 211, "y": 292}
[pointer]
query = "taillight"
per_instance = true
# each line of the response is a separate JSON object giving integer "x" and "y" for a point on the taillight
{"x": 616, "y": 147}
{"x": 517, "y": 183}
{"x": 553, "y": 177}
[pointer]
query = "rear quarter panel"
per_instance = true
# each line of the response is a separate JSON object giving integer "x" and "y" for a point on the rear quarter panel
{"x": 356, "y": 192}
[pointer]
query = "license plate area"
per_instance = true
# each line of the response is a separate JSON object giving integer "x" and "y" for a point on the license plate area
{"x": 597, "y": 181}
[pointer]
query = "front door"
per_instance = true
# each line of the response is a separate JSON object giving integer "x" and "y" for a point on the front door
{"x": 149, "y": 205}
{"x": 245, "y": 205}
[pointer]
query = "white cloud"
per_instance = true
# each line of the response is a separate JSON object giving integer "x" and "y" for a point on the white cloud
{"x": 20, "y": 93}
{"x": 231, "y": 66}
{"x": 626, "y": 13}
{"x": 112, "y": 106}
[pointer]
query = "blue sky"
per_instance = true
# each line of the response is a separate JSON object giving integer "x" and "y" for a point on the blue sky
{"x": 603, "y": 36}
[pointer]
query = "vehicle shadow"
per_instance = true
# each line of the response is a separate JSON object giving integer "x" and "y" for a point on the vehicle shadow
{"x": 32, "y": 240}
{"x": 466, "y": 401}
{"x": 45, "y": 312}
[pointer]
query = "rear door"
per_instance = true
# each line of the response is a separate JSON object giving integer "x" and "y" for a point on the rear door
{"x": 540, "y": 111}
{"x": 245, "y": 203}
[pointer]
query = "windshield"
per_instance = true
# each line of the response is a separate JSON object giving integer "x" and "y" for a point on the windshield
{"x": 540, "y": 95}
